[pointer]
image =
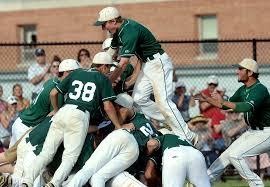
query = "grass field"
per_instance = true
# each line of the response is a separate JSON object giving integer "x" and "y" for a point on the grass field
{"x": 237, "y": 183}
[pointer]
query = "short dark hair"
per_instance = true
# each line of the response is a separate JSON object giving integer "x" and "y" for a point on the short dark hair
{"x": 255, "y": 75}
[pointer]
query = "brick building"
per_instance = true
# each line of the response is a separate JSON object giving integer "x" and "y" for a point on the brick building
{"x": 66, "y": 20}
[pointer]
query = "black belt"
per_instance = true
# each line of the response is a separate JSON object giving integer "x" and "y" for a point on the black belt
{"x": 152, "y": 57}
{"x": 256, "y": 128}
{"x": 81, "y": 108}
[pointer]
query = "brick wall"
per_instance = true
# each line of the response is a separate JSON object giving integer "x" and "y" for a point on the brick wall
{"x": 172, "y": 20}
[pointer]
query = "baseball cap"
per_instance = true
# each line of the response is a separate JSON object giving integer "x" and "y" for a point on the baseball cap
{"x": 102, "y": 58}
{"x": 12, "y": 100}
{"x": 180, "y": 84}
{"x": 212, "y": 79}
{"x": 124, "y": 100}
{"x": 40, "y": 52}
{"x": 106, "y": 44}
{"x": 249, "y": 64}
{"x": 68, "y": 65}
{"x": 107, "y": 14}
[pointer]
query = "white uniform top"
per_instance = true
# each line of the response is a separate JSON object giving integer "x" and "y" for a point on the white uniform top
{"x": 34, "y": 70}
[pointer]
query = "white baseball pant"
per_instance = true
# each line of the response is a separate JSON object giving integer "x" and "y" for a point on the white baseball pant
{"x": 115, "y": 153}
{"x": 156, "y": 77}
{"x": 184, "y": 162}
{"x": 24, "y": 154}
{"x": 18, "y": 130}
{"x": 70, "y": 126}
{"x": 124, "y": 179}
{"x": 251, "y": 143}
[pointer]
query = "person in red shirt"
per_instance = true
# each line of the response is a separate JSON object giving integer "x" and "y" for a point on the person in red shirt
{"x": 214, "y": 113}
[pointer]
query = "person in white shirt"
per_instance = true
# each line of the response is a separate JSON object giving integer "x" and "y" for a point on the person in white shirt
{"x": 37, "y": 71}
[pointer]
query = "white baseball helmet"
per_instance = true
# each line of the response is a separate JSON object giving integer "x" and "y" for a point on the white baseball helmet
{"x": 68, "y": 65}
{"x": 106, "y": 44}
{"x": 124, "y": 100}
{"x": 102, "y": 58}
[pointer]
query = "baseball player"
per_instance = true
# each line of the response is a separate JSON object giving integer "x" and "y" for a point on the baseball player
{"x": 85, "y": 90}
{"x": 35, "y": 113}
{"x": 65, "y": 67}
{"x": 122, "y": 147}
{"x": 253, "y": 99}
{"x": 126, "y": 81}
{"x": 156, "y": 74}
{"x": 179, "y": 161}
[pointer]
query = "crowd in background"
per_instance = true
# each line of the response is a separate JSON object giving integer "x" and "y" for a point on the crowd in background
{"x": 216, "y": 128}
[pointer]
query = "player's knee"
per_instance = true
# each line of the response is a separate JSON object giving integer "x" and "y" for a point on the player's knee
{"x": 97, "y": 180}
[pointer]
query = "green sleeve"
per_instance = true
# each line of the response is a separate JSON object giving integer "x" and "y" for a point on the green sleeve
{"x": 243, "y": 107}
{"x": 254, "y": 99}
{"x": 236, "y": 95}
{"x": 62, "y": 86}
{"x": 107, "y": 92}
{"x": 129, "y": 40}
{"x": 127, "y": 72}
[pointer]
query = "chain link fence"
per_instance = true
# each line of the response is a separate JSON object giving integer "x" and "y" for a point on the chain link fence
{"x": 194, "y": 61}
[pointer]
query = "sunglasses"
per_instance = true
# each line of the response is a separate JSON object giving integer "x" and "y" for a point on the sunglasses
{"x": 83, "y": 54}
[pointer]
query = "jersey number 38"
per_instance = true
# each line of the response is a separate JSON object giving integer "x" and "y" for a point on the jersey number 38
{"x": 85, "y": 91}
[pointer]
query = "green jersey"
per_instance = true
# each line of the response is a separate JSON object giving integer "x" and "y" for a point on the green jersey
{"x": 256, "y": 101}
{"x": 132, "y": 38}
{"x": 87, "y": 89}
{"x": 120, "y": 87}
{"x": 41, "y": 105}
{"x": 143, "y": 130}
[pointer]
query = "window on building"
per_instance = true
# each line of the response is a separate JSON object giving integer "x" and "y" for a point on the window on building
{"x": 28, "y": 35}
{"x": 208, "y": 31}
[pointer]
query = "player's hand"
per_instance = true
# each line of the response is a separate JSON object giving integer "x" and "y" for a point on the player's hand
{"x": 52, "y": 113}
{"x": 129, "y": 126}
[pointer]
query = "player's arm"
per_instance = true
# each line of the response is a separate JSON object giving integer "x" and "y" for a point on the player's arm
{"x": 35, "y": 79}
{"x": 132, "y": 79}
{"x": 151, "y": 176}
{"x": 54, "y": 101}
{"x": 120, "y": 68}
{"x": 110, "y": 111}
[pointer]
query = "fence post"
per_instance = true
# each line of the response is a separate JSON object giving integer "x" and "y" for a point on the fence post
{"x": 254, "y": 54}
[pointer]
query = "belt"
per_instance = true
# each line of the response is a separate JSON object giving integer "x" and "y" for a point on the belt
{"x": 256, "y": 128}
{"x": 81, "y": 108}
{"x": 149, "y": 58}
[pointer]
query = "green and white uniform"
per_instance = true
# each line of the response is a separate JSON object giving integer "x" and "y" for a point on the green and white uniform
{"x": 254, "y": 101}
{"x": 86, "y": 90}
{"x": 180, "y": 161}
{"x": 36, "y": 112}
{"x": 120, "y": 87}
{"x": 156, "y": 75}
{"x": 122, "y": 150}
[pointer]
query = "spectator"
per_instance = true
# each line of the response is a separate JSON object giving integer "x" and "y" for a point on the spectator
{"x": 37, "y": 71}
{"x": 232, "y": 127}
{"x": 183, "y": 101}
{"x": 84, "y": 58}
{"x": 214, "y": 113}
{"x": 54, "y": 68}
{"x": 200, "y": 125}
{"x": 3, "y": 103}
{"x": 22, "y": 102}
